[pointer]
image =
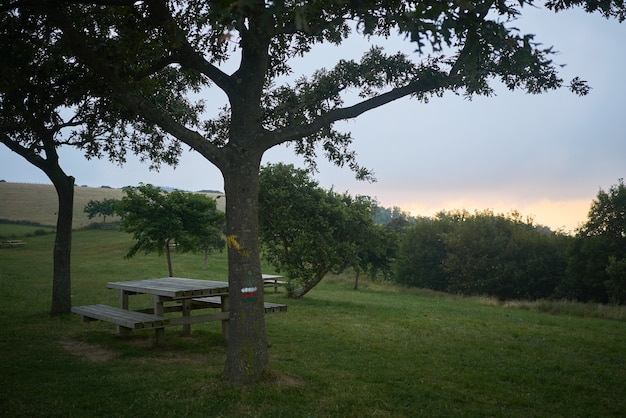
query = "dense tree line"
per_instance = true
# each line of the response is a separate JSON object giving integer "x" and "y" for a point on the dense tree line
{"x": 507, "y": 257}
{"x": 308, "y": 232}
{"x": 483, "y": 254}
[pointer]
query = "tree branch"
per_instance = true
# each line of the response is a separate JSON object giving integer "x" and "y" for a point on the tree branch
{"x": 429, "y": 82}
{"x": 186, "y": 54}
{"x": 125, "y": 94}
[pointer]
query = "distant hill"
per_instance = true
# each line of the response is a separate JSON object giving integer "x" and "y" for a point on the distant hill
{"x": 39, "y": 202}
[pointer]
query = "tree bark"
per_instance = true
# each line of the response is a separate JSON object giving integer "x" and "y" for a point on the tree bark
{"x": 247, "y": 356}
{"x": 64, "y": 185}
{"x": 205, "y": 263}
{"x": 308, "y": 286}
{"x": 61, "y": 278}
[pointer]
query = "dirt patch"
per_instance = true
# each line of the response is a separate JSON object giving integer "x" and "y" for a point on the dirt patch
{"x": 284, "y": 379}
{"x": 88, "y": 352}
{"x": 96, "y": 354}
{"x": 178, "y": 357}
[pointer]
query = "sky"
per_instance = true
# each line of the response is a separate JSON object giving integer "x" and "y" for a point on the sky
{"x": 545, "y": 156}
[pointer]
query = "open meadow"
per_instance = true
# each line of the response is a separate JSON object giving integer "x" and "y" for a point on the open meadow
{"x": 378, "y": 351}
{"x": 38, "y": 203}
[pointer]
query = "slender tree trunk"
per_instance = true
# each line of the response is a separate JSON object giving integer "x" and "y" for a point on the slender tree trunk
{"x": 356, "y": 280}
{"x": 247, "y": 357}
{"x": 308, "y": 286}
{"x": 205, "y": 263}
{"x": 61, "y": 279}
{"x": 168, "y": 256}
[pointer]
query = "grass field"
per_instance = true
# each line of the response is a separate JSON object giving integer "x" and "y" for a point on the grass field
{"x": 39, "y": 202}
{"x": 10, "y": 231}
{"x": 379, "y": 351}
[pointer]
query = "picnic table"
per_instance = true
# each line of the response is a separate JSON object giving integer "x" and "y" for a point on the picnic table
{"x": 169, "y": 294}
{"x": 273, "y": 281}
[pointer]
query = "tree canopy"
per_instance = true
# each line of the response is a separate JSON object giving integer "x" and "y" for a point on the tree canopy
{"x": 152, "y": 58}
{"x": 483, "y": 253}
{"x": 309, "y": 232}
{"x": 159, "y": 220}
{"x": 104, "y": 208}
{"x": 49, "y": 100}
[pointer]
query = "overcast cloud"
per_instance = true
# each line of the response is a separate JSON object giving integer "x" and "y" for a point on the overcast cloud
{"x": 545, "y": 156}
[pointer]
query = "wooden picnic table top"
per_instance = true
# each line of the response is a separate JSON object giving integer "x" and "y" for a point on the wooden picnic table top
{"x": 271, "y": 277}
{"x": 177, "y": 287}
{"x": 172, "y": 287}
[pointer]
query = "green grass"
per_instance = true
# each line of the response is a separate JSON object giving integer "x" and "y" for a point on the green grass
{"x": 11, "y": 231}
{"x": 379, "y": 351}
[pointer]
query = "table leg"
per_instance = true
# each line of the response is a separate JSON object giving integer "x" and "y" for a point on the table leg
{"x": 123, "y": 331}
{"x": 123, "y": 299}
{"x": 158, "y": 306}
{"x": 225, "y": 308}
{"x": 158, "y": 310}
{"x": 158, "y": 334}
{"x": 186, "y": 313}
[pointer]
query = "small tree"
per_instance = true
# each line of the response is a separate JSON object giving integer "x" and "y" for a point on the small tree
{"x": 381, "y": 240}
{"x": 376, "y": 253}
{"x": 202, "y": 221}
{"x": 308, "y": 231}
{"x": 158, "y": 219}
{"x": 102, "y": 208}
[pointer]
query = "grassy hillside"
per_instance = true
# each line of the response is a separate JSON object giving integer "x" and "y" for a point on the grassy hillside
{"x": 39, "y": 203}
{"x": 379, "y": 351}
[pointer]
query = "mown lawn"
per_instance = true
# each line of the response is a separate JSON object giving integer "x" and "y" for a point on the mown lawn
{"x": 379, "y": 351}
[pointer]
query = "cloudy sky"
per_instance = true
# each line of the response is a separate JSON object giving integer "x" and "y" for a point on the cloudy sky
{"x": 545, "y": 156}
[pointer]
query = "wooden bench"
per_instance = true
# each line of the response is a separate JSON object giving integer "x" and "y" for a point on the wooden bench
{"x": 216, "y": 302}
{"x": 274, "y": 307}
{"x": 128, "y": 320}
{"x": 125, "y": 319}
{"x": 12, "y": 243}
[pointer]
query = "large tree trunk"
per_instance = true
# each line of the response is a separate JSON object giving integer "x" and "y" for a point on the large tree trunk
{"x": 61, "y": 283}
{"x": 64, "y": 185}
{"x": 247, "y": 357}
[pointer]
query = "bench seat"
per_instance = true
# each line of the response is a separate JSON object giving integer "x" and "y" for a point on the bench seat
{"x": 12, "y": 243}
{"x": 122, "y": 317}
{"x": 216, "y": 302}
{"x": 274, "y": 307}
